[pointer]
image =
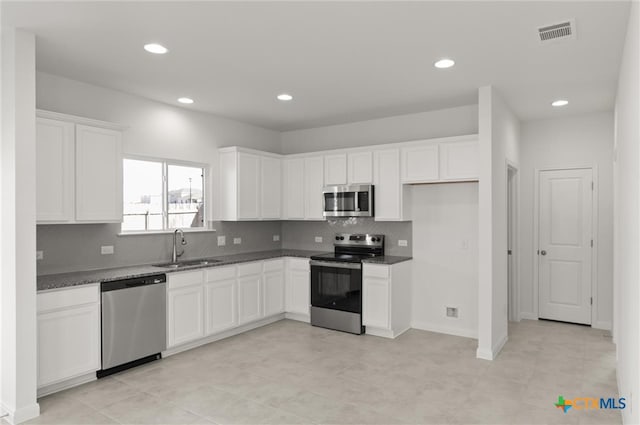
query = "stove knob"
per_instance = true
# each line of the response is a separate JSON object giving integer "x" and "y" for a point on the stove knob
{"x": 337, "y": 238}
{"x": 341, "y": 238}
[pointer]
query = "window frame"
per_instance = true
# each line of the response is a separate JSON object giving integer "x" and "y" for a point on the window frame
{"x": 166, "y": 162}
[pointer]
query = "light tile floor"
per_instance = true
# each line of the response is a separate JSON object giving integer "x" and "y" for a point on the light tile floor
{"x": 291, "y": 373}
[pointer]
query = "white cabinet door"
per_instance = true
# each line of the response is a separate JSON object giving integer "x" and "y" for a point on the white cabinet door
{"x": 271, "y": 182}
{"x": 98, "y": 174}
{"x": 294, "y": 186}
{"x": 249, "y": 298}
{"x": 459, "y": 160}
{"x": 220, "y": 306}
{"x": 248, "y": 186}
{"x": 388, "y": 188}
{"x": 68, "y": 343}
{"x": 375, "y": 302}
{"x": 335, "y": 169}
{"x": 273, "y": 293}
{"x": 314, "y": 183}
{"x": 360, "y": 168}
{"x": 420, "y": 164}
{"x": 55, "y": 170}
{"x": 298, "y": 287}
{"x": 185, "y": 308}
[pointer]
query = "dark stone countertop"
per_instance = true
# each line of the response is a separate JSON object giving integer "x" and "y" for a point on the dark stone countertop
{"x": 63, "y": 280}
{"x": 386, "y": 260}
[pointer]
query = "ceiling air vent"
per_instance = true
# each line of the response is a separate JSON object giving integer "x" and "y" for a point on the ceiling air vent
{"x": 561, "y": 31}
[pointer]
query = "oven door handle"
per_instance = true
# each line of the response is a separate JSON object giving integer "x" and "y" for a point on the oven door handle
{"x": 335, "y": 264}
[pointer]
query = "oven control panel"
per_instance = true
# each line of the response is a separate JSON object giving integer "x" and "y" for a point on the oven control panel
{"x": 358, "y": 239}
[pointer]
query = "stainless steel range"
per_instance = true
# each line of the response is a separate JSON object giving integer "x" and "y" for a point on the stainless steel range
{"x": 336, "y": 282}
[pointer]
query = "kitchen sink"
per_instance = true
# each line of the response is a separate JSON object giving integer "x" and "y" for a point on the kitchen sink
{"x": 188, "y": 263}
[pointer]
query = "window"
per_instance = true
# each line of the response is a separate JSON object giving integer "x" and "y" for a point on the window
{"x": 162, "y": 195}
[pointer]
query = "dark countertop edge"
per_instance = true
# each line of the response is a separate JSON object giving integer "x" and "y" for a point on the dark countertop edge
{"x": 66, "y": 280}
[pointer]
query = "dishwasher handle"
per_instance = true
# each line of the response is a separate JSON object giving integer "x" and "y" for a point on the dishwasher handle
{"x": 132, "y": 282}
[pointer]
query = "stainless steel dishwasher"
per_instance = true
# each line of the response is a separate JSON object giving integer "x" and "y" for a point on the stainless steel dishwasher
{"x": 133, "y": 322}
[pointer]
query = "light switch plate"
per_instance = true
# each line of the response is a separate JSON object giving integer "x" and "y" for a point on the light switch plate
{"x": 39, "y": 255}
{"x": 106, "y": 249}
{"x": 276, "y": 238}
{"x": 319, "y": 239}
{"x": 222, "y": 240}
{"x": 402, "y": 242}
{"x": 237, "y": 241}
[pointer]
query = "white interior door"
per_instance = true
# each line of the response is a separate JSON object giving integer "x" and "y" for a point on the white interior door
{"x": 565, "y": 234}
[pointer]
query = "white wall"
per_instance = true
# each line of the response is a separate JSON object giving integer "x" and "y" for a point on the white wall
{"x": 626, "y": 220}
{"x": 17, "y": 228}
{"x": 445, "y": 268}
{"x": 155, "y": 129}
{"x": 576, "y": 141}
{"x": 499, "y": 132}
{"x": 424, "y": 125}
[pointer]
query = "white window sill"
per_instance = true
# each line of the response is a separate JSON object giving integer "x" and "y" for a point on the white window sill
{"x": 163, "y": 232}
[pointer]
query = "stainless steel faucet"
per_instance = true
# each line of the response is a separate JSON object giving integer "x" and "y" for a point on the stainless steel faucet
{"x": 175, "y": 254}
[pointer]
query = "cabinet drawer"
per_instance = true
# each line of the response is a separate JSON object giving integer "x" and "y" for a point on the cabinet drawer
{"x": 181, "y": 280}
{"x": 274, "y": 265}
{"x": 370, "y": 270}
{"x": 215, "y": 274}
{"x": 64, "y": 298}
{"x": 250, "y": 268}
{"x": 301, "y": 264}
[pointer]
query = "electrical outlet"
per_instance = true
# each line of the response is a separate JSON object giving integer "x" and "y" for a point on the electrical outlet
{"x": 276, "y": 238}
{"x": 402, "y": 242}
{"x": 237, "y": 241}
{"x": 222, "y": 240}
{"x": 39, "y": 255}
{"x": 319, "y": 239}
{"x": 106, "y": 249}
{"x": 452, "y": 312}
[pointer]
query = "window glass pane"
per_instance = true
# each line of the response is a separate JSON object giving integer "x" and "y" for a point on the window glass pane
{"x": 185, "y": 194}
{"x": 142, "y": 190}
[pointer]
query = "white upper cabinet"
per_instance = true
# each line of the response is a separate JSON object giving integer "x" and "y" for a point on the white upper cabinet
{"x": 250, "y": 185}
{"x": 390, "y": 195}
{"x": 294, "y": 189}
{"x": 78, "y": 170}
{"x": 335, "y": 169}
{"x": 98, "y": 174}
{"x": 313, "y": 185}
{"x": 459, "y": 160}
{"x": 55, "y": 171}
{"x": 271, "y": 187}
{"x": 360, "y": 168}
{"x": 420, "y": 163}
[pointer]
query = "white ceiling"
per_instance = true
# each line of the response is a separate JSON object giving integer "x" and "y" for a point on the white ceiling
{"x": 343, "y": 61}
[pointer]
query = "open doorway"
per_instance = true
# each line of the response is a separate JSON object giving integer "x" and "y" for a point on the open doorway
{"x": 512, "y": 244}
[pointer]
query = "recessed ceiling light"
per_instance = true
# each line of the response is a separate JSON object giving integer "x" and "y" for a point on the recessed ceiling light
{"x": 186, "y": 100}
{"x": 285, "y": 97}
{"x": 158, "y": 49}
{"x": 560, "y": 102}
{"x": 444, "y": 63}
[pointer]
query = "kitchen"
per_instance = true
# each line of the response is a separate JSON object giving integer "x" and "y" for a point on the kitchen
{"x": 256, "y": 210}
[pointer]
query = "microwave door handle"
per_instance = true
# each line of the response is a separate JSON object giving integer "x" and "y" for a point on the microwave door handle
{"x": 356, "y": 207}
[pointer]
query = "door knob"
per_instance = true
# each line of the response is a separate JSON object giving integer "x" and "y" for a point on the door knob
{"x": 543, "y": 252}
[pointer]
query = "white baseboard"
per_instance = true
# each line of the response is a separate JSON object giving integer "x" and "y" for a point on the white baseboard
{"x": 298, "y": 316}
{"x": 486, "y": 354}
{"x": 384, "y": 333}
{"x": 449, "y": 330}
{"x": 22, "y": 414}
{"x": 528, "y": 316}
{"x": 222, "y": 335}
{"x": 607, "y": 326}
{"x": 64, "y": 385}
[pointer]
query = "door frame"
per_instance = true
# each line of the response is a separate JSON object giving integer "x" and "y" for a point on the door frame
{"x": 594, "y": 236}
{"x": 513, "y": 239}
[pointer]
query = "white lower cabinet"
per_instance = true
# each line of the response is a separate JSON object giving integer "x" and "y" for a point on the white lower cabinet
{"x": 273, "y": 287}
{"x": 298, "y": 286}
{"x": 68, "y": 334}
{"x": 386, "y": 295}
{"x": 185, "y": 315}
{"x": 249, "y": 298}
{"x": 220, "y": 305}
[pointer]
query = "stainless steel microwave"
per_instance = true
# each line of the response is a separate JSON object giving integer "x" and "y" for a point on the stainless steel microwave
{"x": 348, "y": 201}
